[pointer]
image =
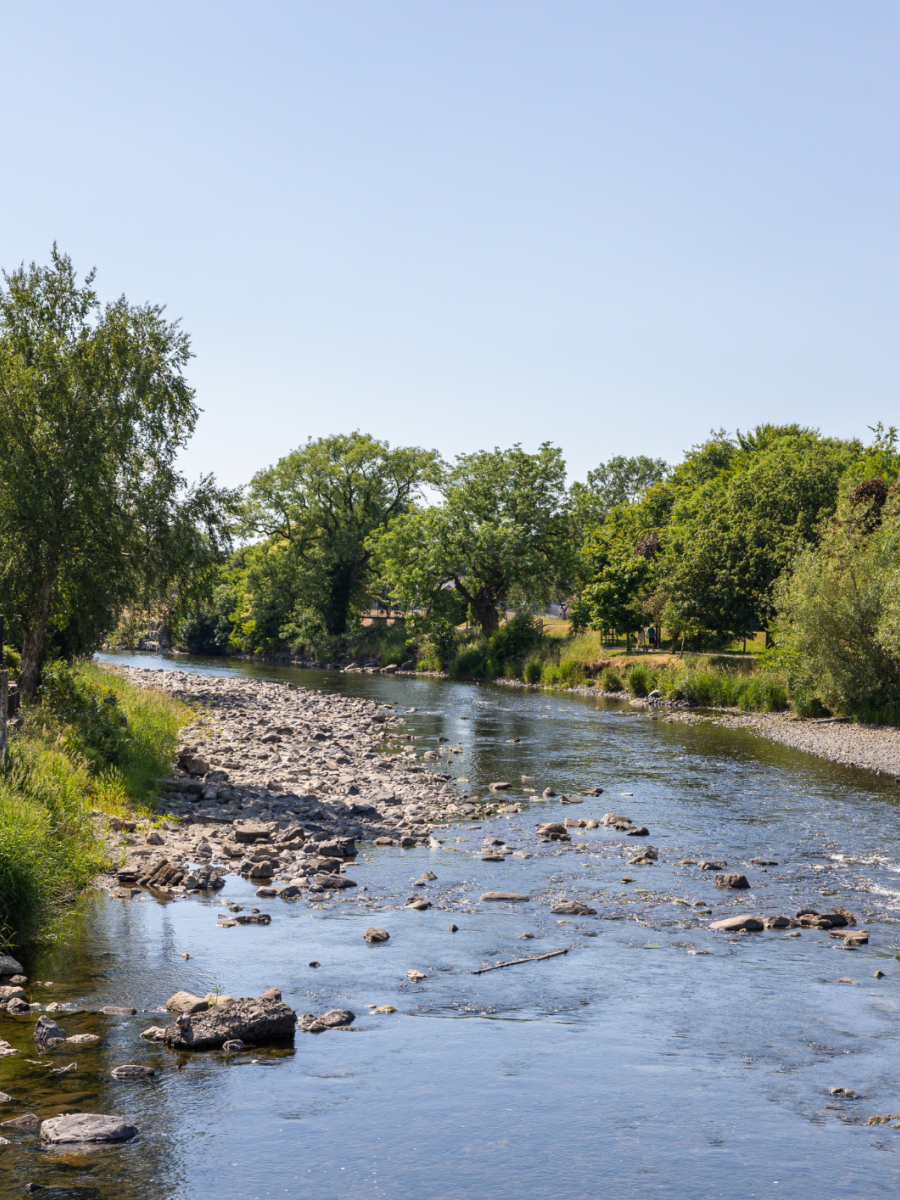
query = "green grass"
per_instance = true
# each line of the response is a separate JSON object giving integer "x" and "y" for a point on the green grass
{"x": 93, "y": 741}
{"x": 719, "y": 686}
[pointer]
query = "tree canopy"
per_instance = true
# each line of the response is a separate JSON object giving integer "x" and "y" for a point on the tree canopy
{"x": 94, "y": 408}
{"x": 319, "y": 511}
{"x": 500, "y": 537}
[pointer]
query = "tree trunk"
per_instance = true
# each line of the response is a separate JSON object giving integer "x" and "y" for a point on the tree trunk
{"x": 33, "y": 641}
{"x": 485, "y": 611}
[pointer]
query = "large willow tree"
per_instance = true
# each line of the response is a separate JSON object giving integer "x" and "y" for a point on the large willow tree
{"x": 94, "y": 408}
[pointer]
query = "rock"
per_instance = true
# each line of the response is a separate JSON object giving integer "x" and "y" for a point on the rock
{"x": 878, "y": 975}
{"x": 18, "y": 1007}
{"x": 638, "y": 831}
{"x": 374, "y": 934}
{"x": 11, "y": 993}
{"x": 502, "y": 786}
{"x": 214, "y": 998}
{"x": 155, "y": 1033}
{"x": 454, "y": 929}
{"x": 838, "y": 920}
{"x": 254, "y": 1022}
{"x": 732, "y": 880}
{"x": 762, "y": 862}
{"x": 427, "y": 877}
{"x": 233, "y": 1046}
{"x": 847, "y": 979}
{"x": 852, "y": 937}
{"x": 266, "y": 893}
{"x": 647, "y": 857}
{"x": 46, "y": 1032}
{"x": 419, "y": 903}
{"x": 184, "y": 1002}
{"x": 26, "y": 1121}
{"x": 573, "y": 908}
{"x": 740, "y": 924}
{"x": 335, "y": 1018}
{"x": 272, "y": 993}
{"x": 155, "y": 839}
{"x": 780, "y": 922}
{"x": 5, "y": 1099}
{"x": 385, "y": 841}
{"x": 130, "y": 1072}
{"x": 712, "y": 866}
{"x": 845, "y": 1093}
{"x": 115, "y": 1010}
{"x": 548, "y": 793}
{"x": 82, "y": 1039}
{"x": 493, "y": 858}
{"x": 252, "y": 833}
{"x": 335, "y": 882}
{"x": 555, "y": 831}
{"x": 9, "y": 966}
{"x": 385, "y": 1008}
{"x": 86, "y": 1127}
{"x": 415, "y": 976}
{"x": 514, "y": 896}
{"x": 615, "y": 821}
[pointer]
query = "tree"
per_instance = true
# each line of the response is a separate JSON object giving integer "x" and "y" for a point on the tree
{"x": 319, "y": 509}
{"x": 94, "y": 408}
{"x": 733, "y": 533}
{"x": 839, "y": 616}
{"x": 621, "y": 481}
{"x": 501, "y": 536}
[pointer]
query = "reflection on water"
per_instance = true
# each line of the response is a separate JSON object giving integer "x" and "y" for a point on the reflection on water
{"x": 656, "y": 1060}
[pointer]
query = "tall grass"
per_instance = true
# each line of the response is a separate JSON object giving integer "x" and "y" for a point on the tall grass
{"x": 720, "y": 686}
{"x": 93, "y": 741}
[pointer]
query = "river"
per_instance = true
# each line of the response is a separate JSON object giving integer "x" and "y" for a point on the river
{"x": 656, "y": 1059}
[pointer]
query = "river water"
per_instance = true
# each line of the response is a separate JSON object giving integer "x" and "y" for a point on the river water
{"x": 656, "y": 1059}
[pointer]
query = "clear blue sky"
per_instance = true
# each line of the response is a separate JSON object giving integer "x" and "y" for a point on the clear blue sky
{"x": 459, "y": 224}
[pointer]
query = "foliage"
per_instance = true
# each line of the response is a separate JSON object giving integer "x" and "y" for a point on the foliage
{"x": 620, "y": 481}
{"x": 94, "y": 410}
{"x": 499, "y": 538}
{"x": 531, "y": 672}
{"x": 318, "y": 510}
{"x": 94, "y": 741}
{"x": 611, "y": 679}
{"x": 839, "y": 618}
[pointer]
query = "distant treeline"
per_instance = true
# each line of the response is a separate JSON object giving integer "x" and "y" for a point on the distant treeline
{"x": 778, "y": 531}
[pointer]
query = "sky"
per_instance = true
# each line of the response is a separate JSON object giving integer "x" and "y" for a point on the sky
{"x": 611, "y": 226}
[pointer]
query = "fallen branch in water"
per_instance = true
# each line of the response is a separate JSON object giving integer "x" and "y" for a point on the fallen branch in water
{"x": 515, "y": 961}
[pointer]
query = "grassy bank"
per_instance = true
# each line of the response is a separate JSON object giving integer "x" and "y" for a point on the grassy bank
{"x": 91, "y": 742}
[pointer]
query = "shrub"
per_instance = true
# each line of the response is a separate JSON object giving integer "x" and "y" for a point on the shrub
{"x": 531, "y": 672}
{"x": 567, "y": 673}
{"x": 469, "y": 663}
{"x": 611, "y": 680}
{"x": 639, "y": 680}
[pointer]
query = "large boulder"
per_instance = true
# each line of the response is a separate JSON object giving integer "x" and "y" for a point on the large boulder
{"x": 86, "y": 1127}
{"x": 9, "y": 966}
{"x": 253, "y": 1022}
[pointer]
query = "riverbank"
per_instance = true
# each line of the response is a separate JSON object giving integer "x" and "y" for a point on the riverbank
{"x": 92, "y": 746}
{"x": 853, "y": 744}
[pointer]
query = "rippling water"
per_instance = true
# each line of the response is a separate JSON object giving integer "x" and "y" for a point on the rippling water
{"x": 656, "y": 1059}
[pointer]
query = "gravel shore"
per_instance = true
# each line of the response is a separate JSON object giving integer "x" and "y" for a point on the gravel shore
{"x": 284, "y": 780}
{"x": 872, "y": 747}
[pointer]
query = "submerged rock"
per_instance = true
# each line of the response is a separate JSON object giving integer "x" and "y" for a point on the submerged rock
{"x": 130, "y": 1072}
{"x": 86, "y": 1127}
{"x": 254, "y": 1022}
{"x": 517, "y": 896}
{"x": 573, "y": 908}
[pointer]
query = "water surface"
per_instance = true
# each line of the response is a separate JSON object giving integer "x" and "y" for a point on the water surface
{"x": 656, "y": 1059}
